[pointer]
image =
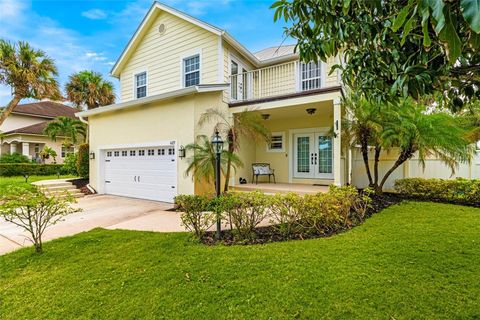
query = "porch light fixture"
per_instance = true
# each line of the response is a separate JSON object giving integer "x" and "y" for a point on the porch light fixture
{"x": 181, "y": 152}
{"x": 92, "y": 155}
{"x": 311, "y": 111}
{"x": 217, "y": 143}
{"x": 266, "y": 116}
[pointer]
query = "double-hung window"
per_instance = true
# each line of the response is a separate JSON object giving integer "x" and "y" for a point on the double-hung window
{"x": 141, "y": 85}
{"x": 311, "y": 75}
{"x": 191, "y": 71}
{"x": 277, "y": 142}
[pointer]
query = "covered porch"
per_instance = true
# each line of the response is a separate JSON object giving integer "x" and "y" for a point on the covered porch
{"x": 30, "y": 146}
{"x": 305, "y": 151}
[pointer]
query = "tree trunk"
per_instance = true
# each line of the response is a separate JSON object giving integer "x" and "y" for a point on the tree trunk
{"x": 10, "y": 106}
{"x": 364, "y": 149}
{"x": 378, "y": 150}
{"x": 229, "y": 163}
{"x": 404, "y": 156}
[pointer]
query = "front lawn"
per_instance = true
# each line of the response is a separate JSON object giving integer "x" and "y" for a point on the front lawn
{"x": 6, "y": 181}
{"x": 411, "y": 261}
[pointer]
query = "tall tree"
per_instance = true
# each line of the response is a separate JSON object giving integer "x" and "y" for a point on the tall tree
{"x": 88, "y": 88}
{"x": 69, "y": 128}
{"x": 246, "y": 124}
{"x": 29, "y": 72}
{"x": 391, "y": 49}
{"x": 202, "y": 163}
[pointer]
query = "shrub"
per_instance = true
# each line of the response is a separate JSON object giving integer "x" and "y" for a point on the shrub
{"x": 285, "y": 212}
{"x": 195, "y": 216}
{"x": 14, "y": 158}
{"x": 83, "y": 160}
{"x": 70, "y": 164}
{"x": 460, "y": 191}
{"x": 22, "y": 169}
{"x": 246, "y": 210}
{"x": 34, "y": 211}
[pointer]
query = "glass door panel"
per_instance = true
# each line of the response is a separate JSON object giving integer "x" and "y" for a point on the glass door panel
{"x": 303, "y": 156}
{"x": 324, "y": 164}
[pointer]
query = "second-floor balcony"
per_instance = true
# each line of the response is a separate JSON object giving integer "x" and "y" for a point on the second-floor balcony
{"x": 278, "y": 80}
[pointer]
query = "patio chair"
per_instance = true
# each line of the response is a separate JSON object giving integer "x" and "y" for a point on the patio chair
{"x": 262, "y": 169}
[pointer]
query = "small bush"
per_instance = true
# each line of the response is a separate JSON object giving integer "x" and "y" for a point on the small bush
{"x": 460, "y": 191}
{"x": 285, "y": 213}
{"x": 246, "y": 210}
{"x": 34, "y": 211}
{"x": 83, "y": 160}
{"x": 70, "y": 164}
{"x": 21, "y": 169}
{"x": 195, "y": 216}
{"x": 14, "y": 158}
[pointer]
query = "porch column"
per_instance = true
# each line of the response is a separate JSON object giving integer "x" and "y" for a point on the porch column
{"x": 26, "y": 149}
{"x": 337, "y": 145}
{"x": 13, "y": 147}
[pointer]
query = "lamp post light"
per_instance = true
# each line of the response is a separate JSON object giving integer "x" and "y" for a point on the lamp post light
{"x": 217, "y": 143}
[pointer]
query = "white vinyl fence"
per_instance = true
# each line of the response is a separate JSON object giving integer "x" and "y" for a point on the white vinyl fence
{"x": 434, "y": 168}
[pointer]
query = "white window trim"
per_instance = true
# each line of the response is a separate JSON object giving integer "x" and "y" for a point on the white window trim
{"x": 322, "y": 76}
{"x": 241, "y": 65}
{"x": 135, "y": 74}
{"x": 190, "y": 54}
{"x": 282, "y": 134}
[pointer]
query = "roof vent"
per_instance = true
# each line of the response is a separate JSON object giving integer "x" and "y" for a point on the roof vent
{"x": 161, "y": 28}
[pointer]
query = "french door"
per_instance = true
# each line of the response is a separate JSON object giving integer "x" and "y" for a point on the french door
{"x": 313, "y": 156}
{"x": 240, "y": 83}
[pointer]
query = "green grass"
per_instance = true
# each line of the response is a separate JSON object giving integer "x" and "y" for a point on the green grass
{"x": 411, "y": 261}
{"x": 7, "y": 181}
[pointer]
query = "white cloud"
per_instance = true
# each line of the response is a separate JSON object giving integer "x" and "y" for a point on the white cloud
{"x": 11, "y": 9}
{"x": 95, "y": 14}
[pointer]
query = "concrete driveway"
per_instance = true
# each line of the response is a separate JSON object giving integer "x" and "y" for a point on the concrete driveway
{"x": 103, "y": 211}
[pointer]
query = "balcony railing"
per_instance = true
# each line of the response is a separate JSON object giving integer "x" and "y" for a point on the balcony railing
{"x": 282, "y": 79}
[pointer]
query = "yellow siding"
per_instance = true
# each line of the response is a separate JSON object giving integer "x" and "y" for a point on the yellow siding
{"x": 331, "y": 79}
{"x": 161, "y": 56}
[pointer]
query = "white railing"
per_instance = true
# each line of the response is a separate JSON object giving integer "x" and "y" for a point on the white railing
{"x": 282, "y": 79}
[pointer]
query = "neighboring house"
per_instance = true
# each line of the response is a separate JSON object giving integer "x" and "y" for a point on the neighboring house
{"x": 22, "y": 131}
{"x": 173, "y": 69}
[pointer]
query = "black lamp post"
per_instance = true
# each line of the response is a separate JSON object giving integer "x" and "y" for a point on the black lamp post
{"x": 218, "y": 147}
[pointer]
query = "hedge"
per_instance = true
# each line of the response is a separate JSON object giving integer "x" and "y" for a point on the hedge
{"x": 83, "y": 160}
{"x": 459, "y": 191}
{"x": 20, "y": 169}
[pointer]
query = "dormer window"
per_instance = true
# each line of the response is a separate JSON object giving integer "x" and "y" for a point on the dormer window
{"x": 141, "y": 85}
{"x": 191, "y": 71}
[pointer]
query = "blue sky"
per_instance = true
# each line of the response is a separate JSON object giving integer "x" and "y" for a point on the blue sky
{"x": 89, "y": 34}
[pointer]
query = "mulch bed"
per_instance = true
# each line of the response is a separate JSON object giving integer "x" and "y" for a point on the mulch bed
{"x": 82, "y": 185}
{"x": 270, "y": 234}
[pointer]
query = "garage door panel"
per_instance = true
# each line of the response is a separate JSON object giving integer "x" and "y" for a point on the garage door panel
{"x": 147, "y": 173}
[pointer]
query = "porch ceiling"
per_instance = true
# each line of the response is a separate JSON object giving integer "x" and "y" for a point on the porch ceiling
{"x": 324, "y": 109}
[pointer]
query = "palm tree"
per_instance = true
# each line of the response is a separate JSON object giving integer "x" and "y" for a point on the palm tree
{"x": 29, "y": 72}
{"x": 414, "y": 130}
{"x": 48, "y": 152}
{"x": 90, "y": 89}
{"x": 404, "y": 125}
{"x": 68, "y": 128}
{"x": 202, "y": 163}
{"x": 247, "y": 124}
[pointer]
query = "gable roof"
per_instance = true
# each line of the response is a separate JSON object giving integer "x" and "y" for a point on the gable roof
{"x": 36, "y": 129}
{"x": 274, "y": 52}
{"x": 45, "y": 109}
{"x": 151, "y": 15}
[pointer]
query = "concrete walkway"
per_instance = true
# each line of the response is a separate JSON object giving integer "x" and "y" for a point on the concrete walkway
{"x": 103, "y": 211}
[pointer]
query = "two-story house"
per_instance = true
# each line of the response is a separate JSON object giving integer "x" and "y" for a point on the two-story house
{"x": 22, "y": 131}
{"x": 174, "y": 68}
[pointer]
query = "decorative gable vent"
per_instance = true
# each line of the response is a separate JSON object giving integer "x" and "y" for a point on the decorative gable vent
{"x": 161, "y": 28}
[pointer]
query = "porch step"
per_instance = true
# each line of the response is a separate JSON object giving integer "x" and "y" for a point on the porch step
{"x": 58, "y": 188}
{"x": 282, "y": 188}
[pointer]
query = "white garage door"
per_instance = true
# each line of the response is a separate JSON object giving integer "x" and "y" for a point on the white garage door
{"x": 146, "y": 173}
